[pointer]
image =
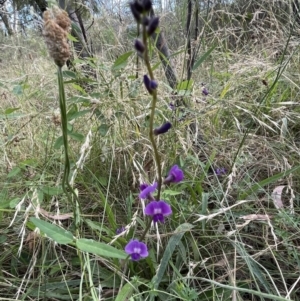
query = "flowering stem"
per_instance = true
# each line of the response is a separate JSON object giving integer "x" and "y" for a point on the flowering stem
{"x": 64, "y": 124}
{"x": 153, "y": 106}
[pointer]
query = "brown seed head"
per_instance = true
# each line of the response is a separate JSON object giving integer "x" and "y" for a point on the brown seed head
{"x": 56, "y": 27}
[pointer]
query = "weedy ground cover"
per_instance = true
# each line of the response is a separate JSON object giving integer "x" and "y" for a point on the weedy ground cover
{"x": 215, "y": 166}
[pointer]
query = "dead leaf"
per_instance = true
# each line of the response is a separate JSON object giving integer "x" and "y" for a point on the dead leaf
{"x": 276, "y": 196}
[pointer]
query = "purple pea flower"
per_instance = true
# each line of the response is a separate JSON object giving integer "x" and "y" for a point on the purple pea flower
{"x": 205, "y": 91}
{"x": 136, "y": 250}
{"x": 220, "y": 171}
{"x": 172, "y": 106}
{"x": 150, "y": 84}
{"x": 175, "y": 175}
{"x": 158, "y": 210}
{"x": 120, "y": 230}
{"x": 162, "y": 129}
{"x": 146, "y": 190}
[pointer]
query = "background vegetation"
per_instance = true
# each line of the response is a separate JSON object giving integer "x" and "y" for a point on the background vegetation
{"x": 234, "y": 233}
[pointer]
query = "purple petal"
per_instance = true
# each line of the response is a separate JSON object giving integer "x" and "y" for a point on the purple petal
{"x": 147, "y": 191}
{"x": 136, "y": 249}
{"x": 165, "y": 208}
{"x": 150, "y": 208}
{"x": 143, "y": 186}
{"x": 144, "y": 250}
{"x": 176, "y": 173}
{"x": 158, "y": 218}
{"x": 129, "y": 248}
{"x": 135, "y": 257}
{"x": 158, "y": 210}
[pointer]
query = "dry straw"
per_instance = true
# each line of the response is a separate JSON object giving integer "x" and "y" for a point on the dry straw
{"x": 56, "y": 27}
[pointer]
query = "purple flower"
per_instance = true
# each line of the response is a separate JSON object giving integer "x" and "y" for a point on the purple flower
{"x": 204, "y": 91}
{"x": 158, "y": 210}
{"x": 162, "y": 129}
{"x": 175, "y": 175}
{"x": 220, "y": 171}
{"x": 120, "y": 230}
{"x": 146, "y": 191}
{"x": 136, "y": 250}
{"x": 150, "y": 84}
{"x": 171, "y": 106}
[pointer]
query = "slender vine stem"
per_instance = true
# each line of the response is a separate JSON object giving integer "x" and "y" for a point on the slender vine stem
{"x": 153, "y": 106}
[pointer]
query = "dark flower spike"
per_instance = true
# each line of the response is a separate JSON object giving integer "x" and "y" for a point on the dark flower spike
{"x": 158, "y": 210}
{"x": 139, "y": 6}
{"x": 175, "y": 175}
{"x": 163, "y": 129}
{"x": 147, "y": 5}
{"x": 145, "y": 21}
{"x": 136, "y": 250}
{"x": 135, "y": 11}
{"x": 146, "y": 191}
{"x": 150, "y": 85}
{"x": 152, "y": 25}
{"x": 139, "y": 46}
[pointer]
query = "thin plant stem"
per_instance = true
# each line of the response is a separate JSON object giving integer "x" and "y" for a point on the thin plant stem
{"x": 153, "y": 106}
{"x": 66, "y": 186}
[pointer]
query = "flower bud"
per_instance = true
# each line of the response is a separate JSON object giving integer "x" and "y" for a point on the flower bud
{"x": 139, "y": 46}
{"x": 147, "y": 5}
{"x": 135, "y": 11}
{"x": 152, "y": 25}
{"x": 150, "y": 85}
{"x": 163, "y": 129}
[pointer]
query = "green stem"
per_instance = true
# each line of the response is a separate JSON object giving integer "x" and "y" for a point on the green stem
{"x": 66, "y": 186}
{"x": 153, "y": 106}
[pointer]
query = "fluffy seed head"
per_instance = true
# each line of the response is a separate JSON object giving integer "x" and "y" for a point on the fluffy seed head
{"x": 55, "y": 31}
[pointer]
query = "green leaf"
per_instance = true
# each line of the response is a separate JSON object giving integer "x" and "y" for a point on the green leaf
{"x": 56, "y": 233}
{"x": 77, "y": 114}
{"x": 14, "y": 202}
{"x": 52, "y": 190}
{"x": 99, "y": 248}
{"x": 76, "y": 136}
{"x": 103, "y": 129}
{"x": 125, "y": 292}
{"x": 79, "y": 99}
{"x": 68, "y": 73}
{"x": 4, "y": 203}
{"x": 171, "y": 192}
{"x": 10, "y": 110}
{"x": 59, "y": 142}
{"x": 173, "y": 242}
{"x": 18, "y": 90}
{"x": 203, "y": 58}
{"x": 185, "y": 85}
{"x": 16, "y": 170}
{"x": 121, "y": 61}
{"x": 267, "y": 181}
{"x": 71, "y": 38}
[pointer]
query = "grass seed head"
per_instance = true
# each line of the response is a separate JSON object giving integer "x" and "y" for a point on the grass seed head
{"x": 56, "y": 27}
